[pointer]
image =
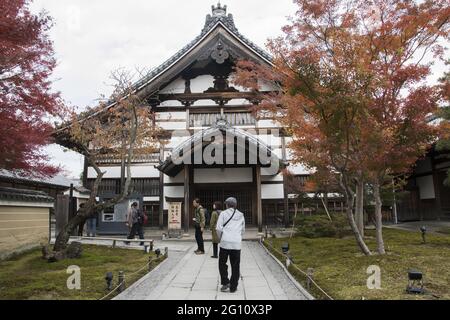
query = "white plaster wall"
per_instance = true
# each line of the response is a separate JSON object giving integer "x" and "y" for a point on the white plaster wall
{"x": 174, "y": 192}
{"x": 136, "y": 172}
{"x": 426, "y": 187}
{"x": 227, "y": 175}
{"x": 151, "y": 199}
{"x": 299, "y": 169}
{"x": 272, "y": 191}
{"x": 268, "y": 124}
{"x": 202, "y": 83}
{"x": 204, "y": 103}
{"x": 177, "y": 86}
{"x": 177, "y": 179}
{"x": 172, "y": 125}
{"x": 171, "y": 116}
{"x": 238, "y": 102}
{"x": 171, "y": 103}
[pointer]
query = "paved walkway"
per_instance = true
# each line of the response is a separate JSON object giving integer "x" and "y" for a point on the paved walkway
{"x": 186, "y": 276}
{"x": 432, "y": 226}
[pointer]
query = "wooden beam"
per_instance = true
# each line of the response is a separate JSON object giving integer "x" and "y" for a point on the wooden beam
{"x": 209, "y": 96}
{"x": 161, "y": 191}
{"x": 258, "y": 199}
{"x": 285, "y": 187}
{"x": 187, "y": 200}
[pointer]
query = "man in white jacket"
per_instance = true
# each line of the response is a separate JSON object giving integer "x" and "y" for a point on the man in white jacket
{"x": 230, "y": 229}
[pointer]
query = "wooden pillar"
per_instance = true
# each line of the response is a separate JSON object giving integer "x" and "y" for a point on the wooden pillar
{"x": 187, "y": 200}
{"x": 285, "y": 188}
{"x": 258, "y": 198}
{"x": 437, "y": 190}
{"x": 122, "y": 175}
{"x": 161, "y": 191}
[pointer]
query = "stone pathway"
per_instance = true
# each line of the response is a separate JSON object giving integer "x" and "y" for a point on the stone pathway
{"x": 186, "y": 276}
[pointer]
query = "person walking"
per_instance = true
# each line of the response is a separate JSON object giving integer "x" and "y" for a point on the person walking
{"x": 217, "y": 209}
{"x": 230, "y": 229}
{"x": 135, "y": 221}
{"x": 199, "y": 218}
{"x": 81, "y": 225}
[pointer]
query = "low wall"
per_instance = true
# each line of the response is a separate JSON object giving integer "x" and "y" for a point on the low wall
{"x": 22, "y": 227}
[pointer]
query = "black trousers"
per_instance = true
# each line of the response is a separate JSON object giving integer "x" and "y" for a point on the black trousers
{"x": 215, "y": 249}
{"x": 199, "y": 238}
{"x": 235, "y": 260}
{"x": 136, "y": 228}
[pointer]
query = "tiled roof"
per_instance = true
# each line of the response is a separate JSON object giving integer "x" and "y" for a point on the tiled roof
{"x": 11, "y": 194}
{"x": 210, "y": 24}
{"x": 58, "y": 180}
{"x": 221, "y": 126}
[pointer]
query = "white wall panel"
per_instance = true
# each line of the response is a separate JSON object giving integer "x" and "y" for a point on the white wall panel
{"x": 136, "y": 172}
{"x": 268, "y": 124}
{"x": 272, "y": 191}
{"x": 202, "y": 83}
{"x": 230, "y": 175}
{"x": 172, "y": 125}
{"x": 177, "y": 86}
{"x": 171, "y": 116}
{"x": 171, "y": 103}
{"x": 299, "y": 169}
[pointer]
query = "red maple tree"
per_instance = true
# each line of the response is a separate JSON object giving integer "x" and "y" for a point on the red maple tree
{"x": 353, "y": 91}
{"x": 27, "y": 103}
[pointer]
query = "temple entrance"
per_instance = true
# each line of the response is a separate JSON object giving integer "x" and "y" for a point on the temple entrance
{"x": 244, "y": 194}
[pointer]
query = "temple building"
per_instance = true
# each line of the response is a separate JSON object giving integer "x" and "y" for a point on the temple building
{"x": 193, "y": 96}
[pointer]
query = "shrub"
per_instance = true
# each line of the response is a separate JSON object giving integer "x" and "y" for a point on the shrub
{"x": 319, "y": 225}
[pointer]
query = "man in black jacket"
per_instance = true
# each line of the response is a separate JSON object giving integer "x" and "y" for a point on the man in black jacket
{"x": 135, "y": 221}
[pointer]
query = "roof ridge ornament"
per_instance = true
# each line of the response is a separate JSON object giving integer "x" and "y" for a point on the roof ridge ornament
{"x": 219, "y": 11}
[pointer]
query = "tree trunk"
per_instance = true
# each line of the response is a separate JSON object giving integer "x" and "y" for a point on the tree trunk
{"x": 359, "y": 210}
{"x": 350, "y": 200}
{"x": 64, "y": 236}
{"x": 378, "y": 219}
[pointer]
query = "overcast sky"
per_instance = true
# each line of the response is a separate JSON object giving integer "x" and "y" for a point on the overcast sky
{"x": 94, "y": 37}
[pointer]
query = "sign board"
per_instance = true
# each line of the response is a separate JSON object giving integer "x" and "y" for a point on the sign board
{"x": 175, "y": 216}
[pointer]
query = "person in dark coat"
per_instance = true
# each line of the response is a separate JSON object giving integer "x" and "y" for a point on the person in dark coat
{"x": 200, "y": 222}
{"x": 217, "y": 209}
{"x": 135, "y": 221}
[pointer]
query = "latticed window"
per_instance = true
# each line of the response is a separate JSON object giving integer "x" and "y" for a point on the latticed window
{"x": 145, "y": 187}
{"x": 234, "y": 118}
{"x": 107, "y": 186}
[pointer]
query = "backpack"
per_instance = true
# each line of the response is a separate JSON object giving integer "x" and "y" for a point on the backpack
{"x": 142, "y": 218}
{"x": 207, "y": 217}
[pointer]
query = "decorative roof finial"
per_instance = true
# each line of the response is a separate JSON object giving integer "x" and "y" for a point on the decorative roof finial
{"x": 219, "y": 10}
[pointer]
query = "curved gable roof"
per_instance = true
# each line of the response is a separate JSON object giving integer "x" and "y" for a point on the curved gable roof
{"x": 172, "y": 167}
